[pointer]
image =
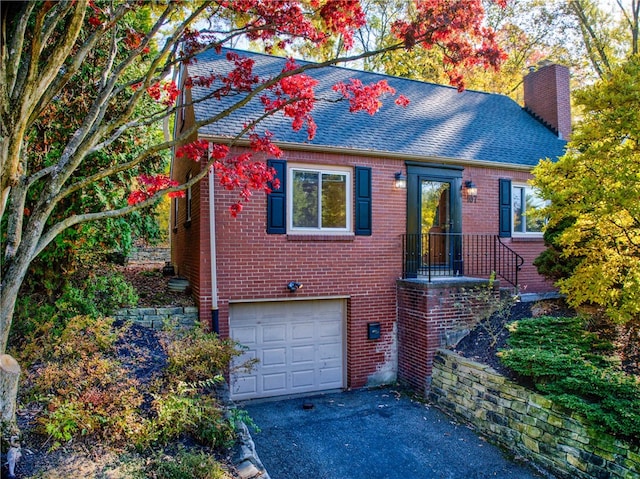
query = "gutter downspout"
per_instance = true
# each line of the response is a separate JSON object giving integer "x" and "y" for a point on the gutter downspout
{"x": 215, "y": 323}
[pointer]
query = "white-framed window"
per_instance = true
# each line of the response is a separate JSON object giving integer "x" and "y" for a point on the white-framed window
{"x": 319, "y": 199}
{"x": 526, "y": 208}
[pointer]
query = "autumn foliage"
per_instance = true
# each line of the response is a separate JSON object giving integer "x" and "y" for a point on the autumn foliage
{"x": 86, "y": 87}
{"x": 454, "y": 26}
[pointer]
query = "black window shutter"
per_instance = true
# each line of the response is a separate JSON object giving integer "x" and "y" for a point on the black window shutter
{"x": 277, "y": 200}
{"x": 363, "y": 201}
{"x": 505, "y": 207}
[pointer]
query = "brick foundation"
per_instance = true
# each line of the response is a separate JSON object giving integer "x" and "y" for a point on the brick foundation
{"x": 431, "y": 316}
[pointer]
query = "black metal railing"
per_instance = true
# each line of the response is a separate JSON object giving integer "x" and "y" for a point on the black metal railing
{"x": 456, "y": 254}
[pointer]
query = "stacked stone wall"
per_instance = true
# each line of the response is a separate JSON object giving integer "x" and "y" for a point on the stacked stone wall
{"x": 527, "y": 423}
{"x": 158, "y": 318}
{"x": 149, "y": 255}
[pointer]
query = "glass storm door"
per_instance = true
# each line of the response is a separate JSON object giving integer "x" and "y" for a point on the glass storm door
{"x": 435, "y": 222}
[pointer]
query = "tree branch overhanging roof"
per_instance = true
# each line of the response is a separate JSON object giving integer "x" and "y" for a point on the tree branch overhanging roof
{"x": 439, "y": 122}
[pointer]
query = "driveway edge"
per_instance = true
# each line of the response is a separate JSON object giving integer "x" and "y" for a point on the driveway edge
{"x": 245, "y": 458}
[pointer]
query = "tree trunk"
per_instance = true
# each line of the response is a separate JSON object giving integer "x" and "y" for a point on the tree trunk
{"x": 9, "y": 376}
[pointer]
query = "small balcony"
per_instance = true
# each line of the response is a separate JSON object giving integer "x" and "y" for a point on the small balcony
{"x": 446, "y": 255}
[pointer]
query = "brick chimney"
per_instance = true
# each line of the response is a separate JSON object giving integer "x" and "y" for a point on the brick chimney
{"x": 547, "y": 97}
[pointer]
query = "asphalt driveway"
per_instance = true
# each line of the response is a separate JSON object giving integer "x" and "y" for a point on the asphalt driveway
{"x": 372, "y": 434}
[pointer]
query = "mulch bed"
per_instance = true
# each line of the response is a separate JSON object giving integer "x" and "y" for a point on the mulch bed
{"x": 483, "y": 342}
{"x": 153, "y": 288}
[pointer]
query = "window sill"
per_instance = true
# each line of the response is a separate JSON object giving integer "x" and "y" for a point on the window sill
{"x": 527, "y": 239}
{"x": 321, "y": 237}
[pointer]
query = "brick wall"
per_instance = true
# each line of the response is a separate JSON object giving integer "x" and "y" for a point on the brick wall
{"x": 527, "y": 423}
{"x": 252, "y": 265}
{"x": 482, "y": 217}
{"x": 190, "y": 239}
{"x": 547, "y": 97}
{"x": 362, "y": 268}
{"x": 431, "y": 316}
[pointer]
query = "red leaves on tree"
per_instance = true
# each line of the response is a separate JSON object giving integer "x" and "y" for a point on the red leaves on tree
{"x": 455, "y": 26}
{"x": 219, "y": 152}
{"x": 134, "y": 40}
{"x": 95, "y": 21}
{"x": 150, "y": 185}
{"x": 242, "y": 172}
{"x": 264, "y": 144}
{"x": 165, "y": 93}
{"x": 194, "y": 151}
{"x": 295, "y": 96}
{"x": 402, "y": 101}
{"x": 247, "y": 174}
{"x": 276, "y": 20}
{"x": 241, "y": 78}
{"x": 343, "y": 17}
{"x": 364, "y": 97}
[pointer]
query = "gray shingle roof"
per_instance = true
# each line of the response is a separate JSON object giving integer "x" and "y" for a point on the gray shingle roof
{"x": 439, "y": 122}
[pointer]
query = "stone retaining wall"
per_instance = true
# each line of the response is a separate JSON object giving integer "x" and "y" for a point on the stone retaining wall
{"x": 527, "y": 423}
{"x": 157, "y": 317}
{"x": 140, "y": 255}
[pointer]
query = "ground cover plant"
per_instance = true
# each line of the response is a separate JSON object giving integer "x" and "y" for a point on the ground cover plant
{"x": 576, "y": 360}
{"x": 577, "y": 369}
{"x": 128, "y": 400}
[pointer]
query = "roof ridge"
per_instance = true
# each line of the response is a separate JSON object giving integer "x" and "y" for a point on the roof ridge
{"x": 367, "y": 72}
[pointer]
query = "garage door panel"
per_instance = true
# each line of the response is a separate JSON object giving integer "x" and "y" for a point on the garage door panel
{"x": 329, "y": 377}
{"x": 330, "y": 329}
{"x": 274, "y": 357}
{"x": 303, "y": 379}
{"x": 245, "y": 385}
{"x": 273, "y": 332}
{"x": 302, "y": 354}
{"x": 247, "y": 355}
{"x": 246, "y": 335}
{"x": 302, "y": 331}
{"x": 274, "y": 384}
{"x": 299, "y": 344}
{"x": 330, "y": 351}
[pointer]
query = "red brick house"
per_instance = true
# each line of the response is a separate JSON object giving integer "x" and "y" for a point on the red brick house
{"x": 313, "y": 277}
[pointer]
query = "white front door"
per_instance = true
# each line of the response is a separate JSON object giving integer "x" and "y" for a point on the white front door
{"x": 299, "y": 345}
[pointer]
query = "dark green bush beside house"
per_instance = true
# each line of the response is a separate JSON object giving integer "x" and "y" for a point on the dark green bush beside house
{"x": 574, "y": 369}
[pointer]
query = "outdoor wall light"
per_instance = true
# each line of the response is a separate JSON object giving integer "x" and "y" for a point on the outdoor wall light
{"x": 401, "y": 181}
{"x": 472, "y": 191}
{"x": 294, "y": 286}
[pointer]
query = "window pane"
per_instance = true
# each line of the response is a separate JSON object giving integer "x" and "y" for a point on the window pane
{"x": 535, "y": 220}
{"x": 334, "y": 201}
{"x": 518, "y": 210}
{"x": 305, "y": 199}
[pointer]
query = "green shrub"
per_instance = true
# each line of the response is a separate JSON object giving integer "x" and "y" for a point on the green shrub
{"x": 96, "y": 295}
{"x": 39, "y": 319}
{"x": 187, "y": 411}
{"x": 195, "y": 355}
{"x": 83, "y": 389}
{"x": 572, "y": 367}
{"x": 185, "y": 465}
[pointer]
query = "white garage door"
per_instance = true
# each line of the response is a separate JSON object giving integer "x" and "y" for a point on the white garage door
{"x": 299, "y": 345}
